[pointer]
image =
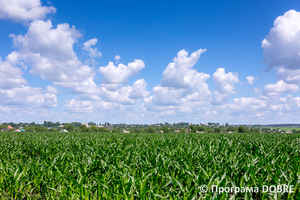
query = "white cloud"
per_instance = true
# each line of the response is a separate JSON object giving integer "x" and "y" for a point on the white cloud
{"x": 250, "y": 80}
{"x": 282, "y": 45}
{"x": 279, "y": 88}
{"x": 257, "y": 90}
{"x": 51, "y": 89}
{"x": 118, "y": 75}
{"x": 182, "y": 88}
{"x": 117, "y": 58}
{"x": 10, "y": 76}
{"x": 138, "y": 90}
{"x": 225, "y": 82}
{"x": 29, "y": 97}
{"x": 219, "y": 98}
{"x": 248, "y": 104}
{"x": 288, "y": 75}
{"x": 127, "y": 94}
{"x": 49, "y": 53}
{"x": 224, "y": 85}
{"x": 79, "y": 106}
{"x": 93, "y": 52}
{"x": 24, "y": 10}
{"x": 179, "y": 73}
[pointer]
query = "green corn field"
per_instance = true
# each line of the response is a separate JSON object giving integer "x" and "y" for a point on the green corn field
{"x": 147, "y": 166}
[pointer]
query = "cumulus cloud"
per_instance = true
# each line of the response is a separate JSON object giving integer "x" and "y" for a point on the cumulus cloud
{"x": 24, "y": 10}
{"x": 118, "y": 75}
{"x": 249, "y": 104}
{"x": 257, "y": 90}
{"x": 179, "y": 73}
{"x": 49, "y": 53}
{"x": 250, "y": 80}
{"x": 10, "y": 76}
{"x": 51, "y": 89}
{"x": 117, "y": 58}
{"x": 126, "y": 95}
{"x": 224, "y": 85}
{"x": 29, "y": 97}
{"x": 79, "y": 106}
{"x": 181, "y": 88}
{"x": 279, "y": 88}
{"x": 92, "y": 52}
{"x": 282, "y": 45}
{"x": 138, "y": 90}
{"x": 225, "y": 82}
{"x": 288, "y": 75}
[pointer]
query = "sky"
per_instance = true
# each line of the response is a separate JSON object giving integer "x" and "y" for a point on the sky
{"x": 150, "y": 61}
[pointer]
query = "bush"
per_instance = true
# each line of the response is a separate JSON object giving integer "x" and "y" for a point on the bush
{"x": 150, "y": 130}
{"x": 218, "y": 130}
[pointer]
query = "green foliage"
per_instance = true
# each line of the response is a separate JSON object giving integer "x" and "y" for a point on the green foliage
{"x": 182, "y": 130}
{"x": 30, "y": 129}
{"x": 201, "y": 128}
{"x": 114, "y": 130}
{"x": 94, "y": 128}
{"x": 83, "y": 128}
{"x": 193, "y": 128}
{"x": 242, "y": 129}
{"x": 165, "y": 129}
{"x": 217, "y": 130}
{"x": 40, "y": 129}
{"x": 231, "y": 128}
{"x": 52, "y": 130}
{"x": 150, "y": 130}
{"x": 69, "y": 127}
{"x": 145, "y": 166}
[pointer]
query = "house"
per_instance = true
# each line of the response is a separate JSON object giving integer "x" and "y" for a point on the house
{"x": 9, "y": 127}
{"x": 177, "y": 131}
{"x": 23, "y": 130}
{"x": 61, "y": 126}
{"x": 4, "y": 129}
{"x": 86, "y": 124}
{"x": 17, "y": 130}
{"x": 125, "y": 131}
{"x": 64, "y": 131}
{"x": 161, "y": 131}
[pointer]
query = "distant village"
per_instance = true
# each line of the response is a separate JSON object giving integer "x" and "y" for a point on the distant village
{"x": 182, "y": 127}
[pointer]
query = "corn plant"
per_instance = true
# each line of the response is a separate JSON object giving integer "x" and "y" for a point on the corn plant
{"x": 146, "y": 166}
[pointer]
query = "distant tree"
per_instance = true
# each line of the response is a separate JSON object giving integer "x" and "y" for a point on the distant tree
{"x": 94, "y": 128}
{"x": 91, "y": 123}
{"x": 165, "y": 129}
{"x": 2, "y": 126}
{"x": 201, "y": 128}
{"x": 172, "y": 129}
{"x": 69, "y": 127}
{"x": 40, "y": 129}
{"x": 254, "y": 130}
{"x": 231, "y": 128}
{"x": 242, "y": 129}
{"x": 209, "y": 130}
{"x": 193, "y": 128}
{"x": 83, "y": 128}
{"x": 30, "y": 129}
{"x": 141, "y": 130}
{"x": 182, "y": 130}
{"x": 150, "y": 130}
{"x": 217, "y": 130}
{"x": 114, "y": 130}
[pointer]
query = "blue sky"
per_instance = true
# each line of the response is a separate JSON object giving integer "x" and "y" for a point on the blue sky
{"x": 150, "y": 61}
